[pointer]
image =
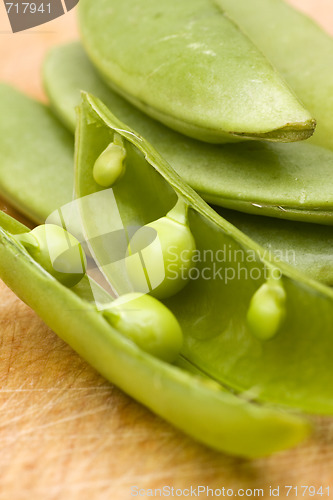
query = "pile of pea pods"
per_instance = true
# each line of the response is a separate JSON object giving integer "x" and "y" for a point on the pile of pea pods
{"x": 184, "y": 237}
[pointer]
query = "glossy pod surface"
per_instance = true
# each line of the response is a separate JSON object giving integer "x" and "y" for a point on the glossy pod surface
{"x": 187, "y": 65}
{"x": 300, "y": 50}
{"x": 294, "y": 367}
{"x": 288, "y": 181}
{"x": 199, "y": 407}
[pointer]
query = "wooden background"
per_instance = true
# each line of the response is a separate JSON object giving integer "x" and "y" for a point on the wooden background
{"x": 65, "y": 433}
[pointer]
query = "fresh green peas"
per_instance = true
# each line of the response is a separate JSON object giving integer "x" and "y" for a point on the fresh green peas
{"x": 192, "y": 402}
{"x": 109, "y": 166}
{"x": 148, "y": 323}
{"x": 266, "y": 312}
{"x": 168, "y": 260}
{"x": 57, "y": 251}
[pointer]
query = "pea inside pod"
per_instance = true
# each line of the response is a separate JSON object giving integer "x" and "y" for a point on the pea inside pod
{"x": 266, "y": 312}
{"x": 57, "y": 251}
{"x": 110, "y": 165}
{"x": 148, "y": 323}
{"x": 229, "y": 270}
{"x": 168, "y": 260}
{"x": 187, "y": 65}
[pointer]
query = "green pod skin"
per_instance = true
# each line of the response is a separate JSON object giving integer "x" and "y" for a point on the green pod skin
{"x": 35, "y": 146}
{"x": 212, "y": 309}
{"x": 148, "y": 323}
{"x": 194, "y": 404}
{"x": 291, "y": 181}
{"x": 299, "y": 49}
{"x": 187, "y": 65}
{"x": 44, "y": 154}
{"x": 171, "y": 255}
{"x": 57, "y": 251}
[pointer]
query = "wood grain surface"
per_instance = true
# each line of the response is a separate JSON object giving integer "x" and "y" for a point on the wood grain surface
{"x": 65, "y": 433}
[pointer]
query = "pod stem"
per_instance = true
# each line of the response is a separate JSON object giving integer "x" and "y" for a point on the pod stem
{"x": 28, "y": 240}
{"x": 179, "y": 213}
{"x": 274, "y": 276}
{"x": 118, "y": 140}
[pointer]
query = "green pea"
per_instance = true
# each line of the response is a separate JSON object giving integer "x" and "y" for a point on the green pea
{"x": 109, "y": 166}
{"x": 168, "y": 260}
{"x": 266, "y": 312}
{"x": 148, "y": 323}
{"x": 57, "y": 251}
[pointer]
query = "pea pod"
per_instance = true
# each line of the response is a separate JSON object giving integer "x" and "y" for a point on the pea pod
{"x": 36, "y": 156}
{"x": 194, "y": 404}
{"x": 36, "y": 171}
{"x": 300, "y": 50}
{"x": 292, "y": 368}
{"x": 187, "y": 65}
{"x": 288, "y": 181}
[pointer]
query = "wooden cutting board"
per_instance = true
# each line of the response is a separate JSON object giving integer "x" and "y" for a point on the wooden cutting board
{"x": 65, "y": 433}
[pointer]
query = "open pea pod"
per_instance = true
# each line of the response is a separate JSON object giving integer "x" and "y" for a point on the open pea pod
{"x": 187, "y": 65}
{"x": 300, "y": 50}
{"x": 249, "y": 322}
{"x": 36, "y": 162}
{"x": 288, "y": 181}
{"x": 194, "y": 404}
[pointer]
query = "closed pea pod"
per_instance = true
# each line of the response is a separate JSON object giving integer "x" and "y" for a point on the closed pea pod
{"x": 43, "y": 153}
{"x": 187, "y": 65}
